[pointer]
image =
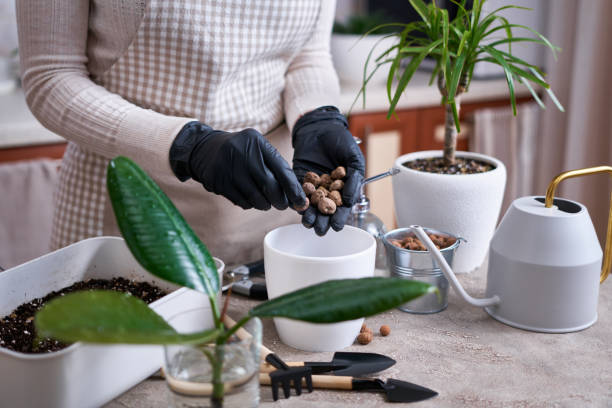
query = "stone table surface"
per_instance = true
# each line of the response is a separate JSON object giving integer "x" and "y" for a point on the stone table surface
{"x": 469, "y": 358}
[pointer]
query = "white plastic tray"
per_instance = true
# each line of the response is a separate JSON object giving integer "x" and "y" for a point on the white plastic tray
{"x": 82, "y": 375}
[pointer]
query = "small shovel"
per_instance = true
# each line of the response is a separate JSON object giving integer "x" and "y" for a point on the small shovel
{"x": 396, "y": 390}
{"x": 343, "y": 363}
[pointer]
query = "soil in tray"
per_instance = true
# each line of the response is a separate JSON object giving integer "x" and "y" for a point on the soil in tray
{"x": 17, "y": 329}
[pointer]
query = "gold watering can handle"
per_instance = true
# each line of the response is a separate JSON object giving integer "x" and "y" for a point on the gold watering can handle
{"x": 550, "y": 193}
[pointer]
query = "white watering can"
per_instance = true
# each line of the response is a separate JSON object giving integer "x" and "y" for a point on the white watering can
{"x": 545, "y": 263}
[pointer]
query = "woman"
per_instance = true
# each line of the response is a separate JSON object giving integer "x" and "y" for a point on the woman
{"x": 188, "y": 89}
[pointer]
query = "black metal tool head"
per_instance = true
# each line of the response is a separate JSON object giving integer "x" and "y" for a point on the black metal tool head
{"x": 403, "y": 391}
{"x": 284, "y": 378}
{"x": 357, "y": 364}
{"x": 285, "y": 375}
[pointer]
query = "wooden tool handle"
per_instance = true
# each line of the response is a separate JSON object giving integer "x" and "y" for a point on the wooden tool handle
{"x": 268, "y": 368}
{"x": 242, "y": 334}
{"x": 330, "y": 382}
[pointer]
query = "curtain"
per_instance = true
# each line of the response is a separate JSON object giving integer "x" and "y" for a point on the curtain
{"x": 513, "y": 140}
{"x": 539, "y": 144}
{"x": 26, "y": 209}
{"x": 582, "y": 136}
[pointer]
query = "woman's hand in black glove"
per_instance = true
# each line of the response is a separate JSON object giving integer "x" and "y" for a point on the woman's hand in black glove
{"x": 322, "y": 142}
{"x": 241, "y": 166}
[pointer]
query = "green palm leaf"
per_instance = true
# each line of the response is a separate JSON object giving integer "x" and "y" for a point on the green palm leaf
{"x": 510, "y": 58}
{"x": 535, "y": 95}
{"x": 421, "y": 8}
{"x": 499, "y": 58}
{"x": 445, "y": 34}
{"x": 158, "y": 236}
{"x": 551, "y": 94}
{"x": 409, "y": 72}
{"x": 457, "y": 45}
{"x": 543, "y": 39}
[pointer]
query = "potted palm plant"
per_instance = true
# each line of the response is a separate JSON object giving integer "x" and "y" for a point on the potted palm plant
{"x": 164, "y": 244}
{"x": 459, "y": 192}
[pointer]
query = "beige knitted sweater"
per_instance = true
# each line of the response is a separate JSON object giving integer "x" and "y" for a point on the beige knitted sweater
{"x": 121, "y": 77}
{"x": 64, "y": 44}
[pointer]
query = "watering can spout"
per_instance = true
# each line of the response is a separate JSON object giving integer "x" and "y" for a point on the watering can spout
{"x": 449, "y": 274}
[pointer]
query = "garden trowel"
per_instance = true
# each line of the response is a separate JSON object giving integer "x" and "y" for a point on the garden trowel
{"x": 395, "y": 390}
{"x": 344, "y": 363}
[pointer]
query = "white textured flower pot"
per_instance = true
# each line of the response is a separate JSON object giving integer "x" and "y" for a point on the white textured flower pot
{"x": 295, "y": 257}
{"x": 466, "y": 205}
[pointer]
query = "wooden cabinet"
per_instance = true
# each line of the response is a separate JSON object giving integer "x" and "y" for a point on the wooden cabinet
{"x": 47, "y": 151}
{"x": 419, "y": 128}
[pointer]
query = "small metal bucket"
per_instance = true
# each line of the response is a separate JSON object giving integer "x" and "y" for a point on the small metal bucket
{"x": 421, "y": 266}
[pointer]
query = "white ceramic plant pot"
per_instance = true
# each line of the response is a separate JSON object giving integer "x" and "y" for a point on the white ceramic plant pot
{"x": 295, "y": 257}
{"x": 464, "y": 205}
{"x": 350, "y": 52}
{"x": 81, "y": 375}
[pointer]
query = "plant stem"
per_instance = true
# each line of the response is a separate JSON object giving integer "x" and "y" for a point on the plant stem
{"x": 226, "y": 303}
{"x": 216, "y": 399}
{"x": 450, "y": 133}
{"x": 215, "y": 312}
{"x": 217, "y": 361}
{"x": 450, "y": 127}
{"x": 217, "y": 381}
{"x": 233, "y": 330}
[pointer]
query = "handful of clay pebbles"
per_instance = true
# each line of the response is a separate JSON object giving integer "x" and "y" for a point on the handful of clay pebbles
{"x": 324, "y": 191}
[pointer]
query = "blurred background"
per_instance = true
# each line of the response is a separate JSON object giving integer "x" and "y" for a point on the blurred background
{"x": 535, "y": 145}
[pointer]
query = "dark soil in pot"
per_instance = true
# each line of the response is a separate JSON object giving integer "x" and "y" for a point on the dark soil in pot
{"x": 17, "y": 331}
{"x": 461, "y": 166}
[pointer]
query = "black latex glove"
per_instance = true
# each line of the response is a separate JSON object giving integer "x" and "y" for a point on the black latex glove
{"x": 322, "y": 142}
{"x": 241, "y": 166}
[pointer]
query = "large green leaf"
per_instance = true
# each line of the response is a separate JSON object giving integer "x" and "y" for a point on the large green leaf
{"x": 109, "y": 317}
{"x": 518, "y": 72}
{"x": 461, "y": 11}
{"x": 156, "y": 233}
{"x": 509, "y": 57}
{"x": 434, "y": 73}
{"x": 518, "y": 39}
{"x": 340, "y": 300}
{"x": 544, "y": 40}
{"x": 551, "y": 94}
{"x": 506, "y": 25}
{"x": 499, "y": 59}
{"x": 421, "y": 8}
{"x": 366, "y": 76}
{"x": 445, "y": 56}
{"x": 462, "y": 42}
{"x": 475, "y": 17}
{"x": 409, "y": 72}
{"x": 535, "y": 95}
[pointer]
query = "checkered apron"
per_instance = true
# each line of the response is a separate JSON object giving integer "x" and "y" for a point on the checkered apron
{"x": 222, "y": 62}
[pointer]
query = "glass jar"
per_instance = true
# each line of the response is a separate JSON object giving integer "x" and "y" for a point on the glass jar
{"x": 189, "y": 368}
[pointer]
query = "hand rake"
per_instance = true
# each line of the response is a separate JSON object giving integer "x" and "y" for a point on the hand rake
{"x": 284, "y": 375}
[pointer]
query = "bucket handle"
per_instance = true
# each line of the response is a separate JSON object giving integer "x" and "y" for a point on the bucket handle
{"x": 550, "y": 194}
{"x": 448, "y": 272}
